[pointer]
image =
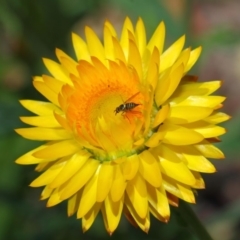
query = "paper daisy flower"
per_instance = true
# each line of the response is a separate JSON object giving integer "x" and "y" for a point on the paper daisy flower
{"x": 126, "y": 130}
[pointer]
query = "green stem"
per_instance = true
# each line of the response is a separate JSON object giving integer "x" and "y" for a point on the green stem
{"x": 192, "y": 220}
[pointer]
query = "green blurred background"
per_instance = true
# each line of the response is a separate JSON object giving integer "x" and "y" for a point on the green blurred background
{"x": 32, "y": 29}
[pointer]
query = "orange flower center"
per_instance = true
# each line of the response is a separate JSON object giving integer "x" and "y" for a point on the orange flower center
{"x": 103, "y": 99}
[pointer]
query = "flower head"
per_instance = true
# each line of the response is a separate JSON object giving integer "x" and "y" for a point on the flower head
{"x": 126, "y": 129}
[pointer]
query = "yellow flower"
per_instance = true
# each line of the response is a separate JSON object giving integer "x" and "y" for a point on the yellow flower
{"x": 126, "y": 129}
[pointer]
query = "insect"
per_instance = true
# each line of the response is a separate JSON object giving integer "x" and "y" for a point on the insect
{"x": 127, "y": 106}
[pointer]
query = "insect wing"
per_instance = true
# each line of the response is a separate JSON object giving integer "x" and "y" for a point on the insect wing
{"x": 133, "y": 96}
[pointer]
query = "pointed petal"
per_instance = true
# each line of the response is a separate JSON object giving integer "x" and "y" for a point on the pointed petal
{"x": 217, "y": 117}
{"x": 206, "y": 130}
{"x": 130, "y": 167}
{"x": 178, "y": 135}
{"x": 80, "y": 178}
{"x": 88, "y": 219}
{"x": 94, "y": 45}
{"x": 188, "y": 114}
{"x": 48, "y": 176}
{"x": 137, "y": 193}
{"x": 73, "y": 203}
{"x": 80, "y": 48}
{"x": 127, "y": 26}
{"x": 73, "y": 165}
{"x": 105, "y": 179}
{"x": 176, "y": 170}
{"x": 88, "y": 198}
{"x": 140, "y": 36}
{"x": 158, "y": 199}
{"x": 58, "y": 149}
{"x": 157, "y": 39}
{"x": 112, "y": 213}
{"x": 194, "y": 55}
{"x": 134, "y": 58}
{"x": 208, "y": 150}
{"x": 178, "y": 189}
{"x": 149, "y": 169}
{"x": 171, "y": 54}
{"x": 37, "y": 133}
{"x": 143, "y": 223}
{"x": 57, "y": 71}
{"x": 39, "y": 107}
{"x": 46, "y": 91}
{"x": 161, "y": 115}
{"x": 118, "y": 186}
{"x": 41, "y": 121}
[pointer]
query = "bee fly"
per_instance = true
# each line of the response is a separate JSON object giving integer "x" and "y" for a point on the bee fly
{"x": 127, "y": 106}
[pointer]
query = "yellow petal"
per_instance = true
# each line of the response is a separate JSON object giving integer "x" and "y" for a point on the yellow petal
{"x": 194, "y": 55}
{"x": 118, "y": 51}
{"x": 155, "y": 139}
{"x": 134, "y": 58}
{"x": 196, "y": 89}
{"x": 217, "y": 117}
{"x": 28, "y": 157}
{"x": 105, "y": 178}
{"x": 141, "y": 36}
{"x": 41, "y": 121}
{"x": 130, "y": 167}
{"x": 137, "y": 193}
{"x": 171, "y": 54}
{"x": 158, "y": 199}
{"x": 73, "y": 203}
{"x": 157, "y": 39}
{"x": 80, "y": 178}
{"x": 73, "y": 165}
{"x": 161, "y": 115}
{"x": 54, "y": 198}
{"x": 88, "y": 219}
{"x": 206, "y": 130}
{"x": 80, "y": 48}
{"x": 48, "y": 176}
{"x": 39, "y": 107}
{"x": 58, "y": 149}
{"x": 176, "y": 170}
{"x": 46, "y": 193}
{"x": 118, "y": 185}
{"x": 178, "y": 135}
{"x": 201, "y": 101}
{"x": 108, "y": 41}
{"x": 127, "y": 26}
{"x": 143, "y": 223}
{"x": 88, "y": 198}
{"x": 194, "y": 158}
{"x": 178, "y": 189}
{"x": 149, "y": 169}
{"x": 95, "y": 46}
{"x": 52, "y": 83}
{"x": 199, "y": 180}
{"x": 167, "y": 84}
{"x": 153, "y": 69}
{"x": 208, "y": 150}
{"x": 57, "y": 71}
{"x": 112, "y": 213}
{"x": 46, "y": 92}
{"x": 37, "y": 133}
{"x": 157, "y": 215}
{"x": 67, "y": 62}
{"x": 188, "y": 114}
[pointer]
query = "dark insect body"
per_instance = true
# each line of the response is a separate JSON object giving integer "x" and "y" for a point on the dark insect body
{"x": 127, "y": 106}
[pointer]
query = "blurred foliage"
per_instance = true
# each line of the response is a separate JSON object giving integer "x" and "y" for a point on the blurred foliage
{"x": 31, "y": 30}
